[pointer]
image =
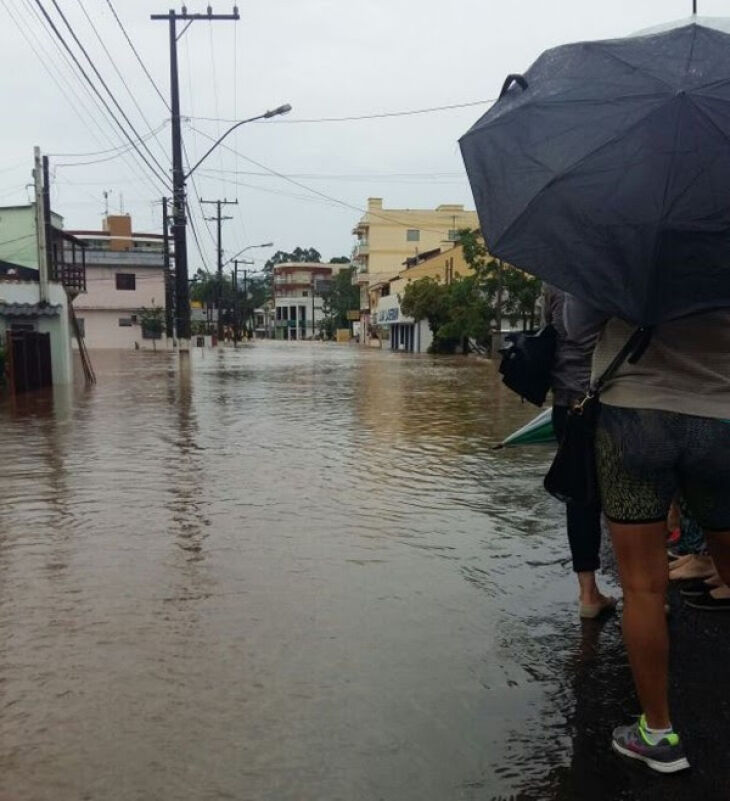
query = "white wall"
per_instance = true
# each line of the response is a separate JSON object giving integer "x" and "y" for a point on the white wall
{"x": 102, "y": 305}
{"x": 103, "y": 332}
{"x": 57, "y": 326}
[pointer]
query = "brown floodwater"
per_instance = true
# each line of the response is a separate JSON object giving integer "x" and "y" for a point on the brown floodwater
{"x": 288, "y": 572}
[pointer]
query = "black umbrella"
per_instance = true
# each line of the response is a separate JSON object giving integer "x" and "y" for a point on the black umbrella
{"x": 605, "y": 170}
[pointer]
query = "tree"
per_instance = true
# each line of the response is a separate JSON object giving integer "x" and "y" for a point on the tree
{"x": 153, "y": 323}
{"x": 339, "y": 297}
{"x": 340, "y": 260}
{"x": 426, "y": 299}
{"x": 298, "y": 254}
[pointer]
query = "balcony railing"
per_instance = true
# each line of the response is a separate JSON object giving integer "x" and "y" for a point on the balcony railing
{"x": 68, "y": 263}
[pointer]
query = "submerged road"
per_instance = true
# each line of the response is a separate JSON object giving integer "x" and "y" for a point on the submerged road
{"x": 299, "y": 573}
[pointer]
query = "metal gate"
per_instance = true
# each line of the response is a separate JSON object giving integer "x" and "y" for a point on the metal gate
{"x": 29, "y": 361}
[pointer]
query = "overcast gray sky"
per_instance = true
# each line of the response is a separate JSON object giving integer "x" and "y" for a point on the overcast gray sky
{"x": 328, "y": 58}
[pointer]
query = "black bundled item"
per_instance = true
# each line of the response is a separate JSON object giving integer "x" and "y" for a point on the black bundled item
{"x": 572, "y": 477}
{"x": 527, "y": 363}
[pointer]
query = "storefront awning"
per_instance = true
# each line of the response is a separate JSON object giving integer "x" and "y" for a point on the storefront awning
{"x": 29, "y": 309}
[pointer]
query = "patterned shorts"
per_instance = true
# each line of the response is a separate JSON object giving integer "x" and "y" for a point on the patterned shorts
{"x": 646, "y": 457}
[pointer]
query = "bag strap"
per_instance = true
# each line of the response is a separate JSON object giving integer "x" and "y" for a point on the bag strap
{"x": 633, "y": 350}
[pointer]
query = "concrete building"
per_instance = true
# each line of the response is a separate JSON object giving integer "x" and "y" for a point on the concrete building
{"x": 21, "y": 312}
{"x": 386, "y": 238}
{"x": 389, "y": 325}
{"x": 34, "y": 304}
{"x": 125, "y": 274}
{"x": 298, "y": 305}
{"x": 18, "y": 243}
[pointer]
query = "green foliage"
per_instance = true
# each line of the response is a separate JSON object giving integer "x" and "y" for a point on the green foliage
{"x": 298, "y": 254}
{"x": 340, "y": 297}
{"x": 455, "y": 311}
{"x": 237, "y": 302}
{"x": 472, "y": 306}
{"x": 426, "y": 299}
{"x": 152, "y": 321}
{"x": 340, "y": 260}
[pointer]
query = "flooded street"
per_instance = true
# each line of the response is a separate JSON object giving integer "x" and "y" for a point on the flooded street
{"x": 292, "y": 572}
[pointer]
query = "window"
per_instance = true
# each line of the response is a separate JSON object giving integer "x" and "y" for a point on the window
{"x": 453, "y": 235}
{"x": 125, "y": 322}
{"x": 126, "y": 281}
{"x": 305, "y": 293}
{"x": 413, "y": 235}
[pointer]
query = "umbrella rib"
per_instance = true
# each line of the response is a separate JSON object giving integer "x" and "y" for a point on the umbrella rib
{"x": 573, "y": 167}
{"x": 635, "y": 67}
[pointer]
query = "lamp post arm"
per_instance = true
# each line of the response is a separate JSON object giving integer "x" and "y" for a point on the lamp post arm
{"x": 285, "y": 109}
{"x": 218, "y": 141}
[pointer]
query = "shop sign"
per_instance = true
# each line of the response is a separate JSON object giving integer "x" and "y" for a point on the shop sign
{"x": 387, "y": 316}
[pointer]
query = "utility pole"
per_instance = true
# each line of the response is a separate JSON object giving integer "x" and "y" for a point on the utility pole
{"x": 41, "y": 229}
{"x": 178, "y": 173}
{"x": 234, "y": 276}
{"x": 169, "y": 285}
{"x": 694, "y": 7}
{"x": 219, "y": 284}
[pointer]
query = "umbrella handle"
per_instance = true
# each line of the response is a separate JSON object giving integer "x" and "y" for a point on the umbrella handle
{"x": 520, "y": 79}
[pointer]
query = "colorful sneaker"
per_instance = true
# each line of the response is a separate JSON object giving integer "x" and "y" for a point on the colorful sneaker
{"x": 666, "y": 757}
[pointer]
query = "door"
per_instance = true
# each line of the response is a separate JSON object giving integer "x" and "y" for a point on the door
{"x": 29, "y": 361}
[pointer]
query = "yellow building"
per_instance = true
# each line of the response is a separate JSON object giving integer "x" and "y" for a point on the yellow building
{"x": 388, "y": 238}
{"x": 388, "y": 321}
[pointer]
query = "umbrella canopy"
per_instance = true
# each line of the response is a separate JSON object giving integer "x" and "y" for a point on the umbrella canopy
{"x": 605, "y": 170}
{"x": 537, "y": 432}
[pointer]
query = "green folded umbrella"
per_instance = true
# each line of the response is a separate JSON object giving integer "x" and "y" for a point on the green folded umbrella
{"x": 537, "y": 432}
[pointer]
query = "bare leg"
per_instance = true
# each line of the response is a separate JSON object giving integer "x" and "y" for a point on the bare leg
{"x": 642, "y": 562}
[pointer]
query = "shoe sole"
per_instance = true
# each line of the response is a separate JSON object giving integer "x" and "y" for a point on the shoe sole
{"x": 688, "y": 601}
{"x": 659, "y": 767}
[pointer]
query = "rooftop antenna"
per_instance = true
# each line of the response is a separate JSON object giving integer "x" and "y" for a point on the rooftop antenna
{"x": 106, "y": 194}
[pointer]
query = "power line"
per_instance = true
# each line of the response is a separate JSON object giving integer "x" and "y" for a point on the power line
{"x": 121, "y": 76}
{"x": 44, "y": 59}
{"x": 63, "y": 41}
{"x": 134, "y": 165}
{"x": 376, "y": 116}
{"x": 116, "y": 151}
{"x": 137, "y": 55}
{"x": 17, "y": 239}
{"x": 344, "y": 203}
{"x": 106, "y": 87}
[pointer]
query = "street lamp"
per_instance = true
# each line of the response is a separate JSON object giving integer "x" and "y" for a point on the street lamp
{"x": 248, "y": 247}
{"x": 285, "y": 109}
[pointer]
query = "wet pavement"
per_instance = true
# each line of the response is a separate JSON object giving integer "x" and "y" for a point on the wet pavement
{"x": 300, "y": 572}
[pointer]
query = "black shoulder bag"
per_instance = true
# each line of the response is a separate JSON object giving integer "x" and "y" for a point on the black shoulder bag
{"x": 572, "y": 477}
{"x": 527, "y": 363}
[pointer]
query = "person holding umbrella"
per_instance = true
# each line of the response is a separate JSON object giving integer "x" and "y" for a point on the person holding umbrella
{"x": 571, "y": 374}
{"x": 661, "y": 429}
{"x": 604, "y": 170}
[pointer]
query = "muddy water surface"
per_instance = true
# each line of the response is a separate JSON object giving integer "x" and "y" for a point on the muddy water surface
{"x": 289, "y": 572}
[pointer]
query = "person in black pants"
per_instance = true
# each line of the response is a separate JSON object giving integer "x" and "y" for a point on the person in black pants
{"x": 570, "y": 379}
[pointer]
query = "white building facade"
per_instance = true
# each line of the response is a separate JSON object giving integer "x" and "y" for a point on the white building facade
{"x": 400, "y": 332}
{"x": 298, "y": 305}
{"x": 21, "y": 310}
{"x": 125, "y": 274}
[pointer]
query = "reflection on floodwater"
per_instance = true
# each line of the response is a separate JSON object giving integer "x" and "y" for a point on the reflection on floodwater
{"x": 292, "y": 572}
